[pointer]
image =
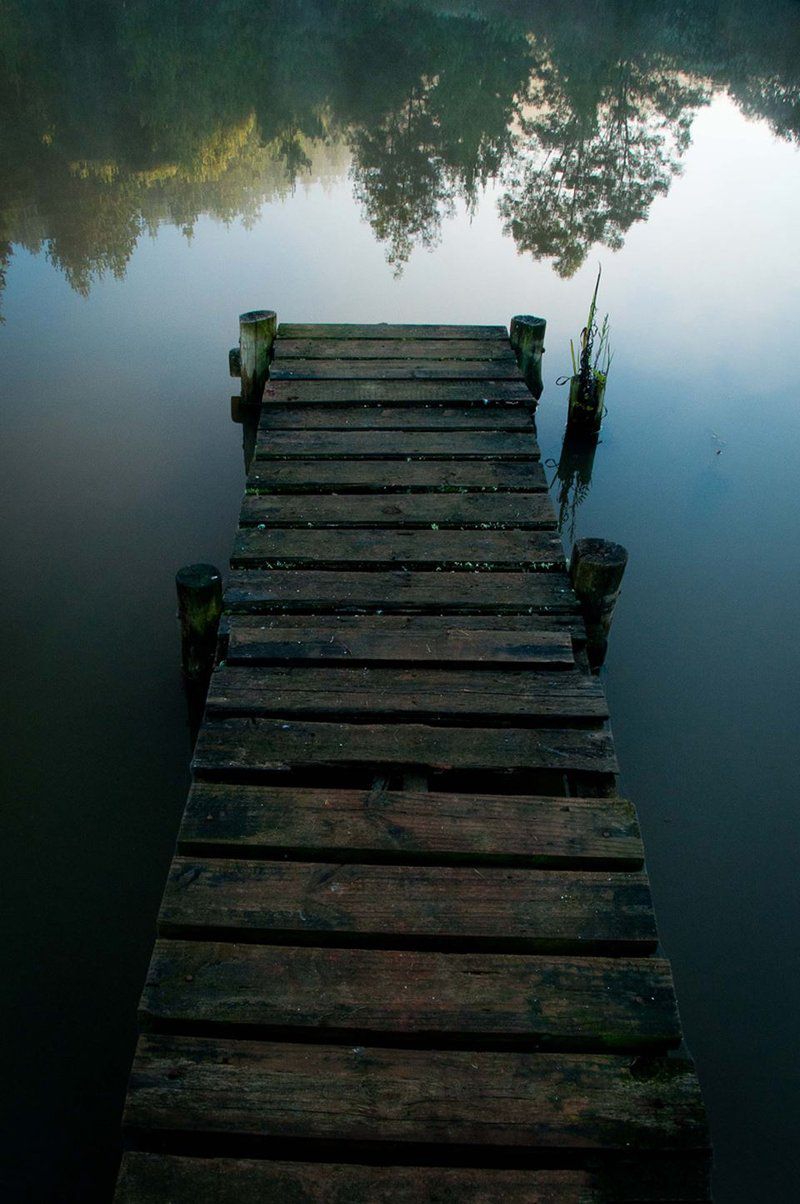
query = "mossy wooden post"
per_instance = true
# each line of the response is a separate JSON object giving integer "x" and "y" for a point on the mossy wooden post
{"x": 256, "y": 336}
{"x": 596, "y": 570}
{"x": 199, "y": 589}
{"x": 585, "y": 405}
{"x": 527, "y": 339}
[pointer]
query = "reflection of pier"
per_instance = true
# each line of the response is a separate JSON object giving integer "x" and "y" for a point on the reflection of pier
{"x": 407, "y": 948}
{"x": 574, "y": 476}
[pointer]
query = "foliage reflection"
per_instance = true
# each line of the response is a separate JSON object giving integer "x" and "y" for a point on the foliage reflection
{"x": 121, "y": 116}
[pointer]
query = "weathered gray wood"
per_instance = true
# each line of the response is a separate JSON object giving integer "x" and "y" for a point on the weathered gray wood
{"x": 420, "y": 417}
{"x": 356, "y": 549}
{"x": 422, "y": 693}
{"x": 596, "y": 570}
{"x": 397, "y": 445}
{"x": 397, "y": 369}
{"x": 527, "y": 339}
{"x": 534, "y": 1101}
{"x": 256, "y": 337}
{"x": 506, "y": 909}
{"x": 532, "y": 511}
{"x": 379, "y": 638}
{"x": 548, "y": 596}
{"x": 158, "y": 1178}
{"x": 386, "y": 330}
{"x": 401, "y": 476}
{"x": 593, "y": 1004}
{"x": 410, "y": 826}
{"x": 388, "y": 392}
{"x": 275, "y": 746}
{"x": 472, "y": 970}
{"x": 378, "y": 349}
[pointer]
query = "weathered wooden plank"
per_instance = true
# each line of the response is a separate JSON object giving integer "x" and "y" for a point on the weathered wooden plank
{"x": 274, "y": 746}
{"x": 401, "y": 476}
{"x": 478, "y": 1098}
{"x": 396, "y": 369}
{"x": 377, "y": 349}
{"x": 532, "y": 511}
{"x": 388, "y": 392}
{"x": 386, "y": 330}
{"x": 355, "y": 549}
{"x": 408, "y": 826}
{"x": 395, "y": 640}
{"x": 160, "y": 1178}
{"x": 546, "y": 595}
{"x": 420, "y": 417}
{"x": 505, "y": 909}
{"x": 593, "y": 1004}
{"x": 397, "y": 445}
{"x": 422, "y": 693}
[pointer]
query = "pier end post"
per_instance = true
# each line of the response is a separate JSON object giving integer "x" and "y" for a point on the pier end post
{"x": 527, "y": 340}
{"x": 256, "y": 336}
{"x": 199, "y": 589}
{"x": 596, "y": 570}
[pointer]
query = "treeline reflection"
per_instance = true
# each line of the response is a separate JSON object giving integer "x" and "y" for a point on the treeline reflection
{"x": 121, "y": 115}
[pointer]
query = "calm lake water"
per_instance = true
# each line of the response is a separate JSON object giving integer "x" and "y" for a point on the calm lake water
{"x": 166, "y": 166}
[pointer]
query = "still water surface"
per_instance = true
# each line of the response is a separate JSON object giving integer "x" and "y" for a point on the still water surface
{"x": 165, "y": 167}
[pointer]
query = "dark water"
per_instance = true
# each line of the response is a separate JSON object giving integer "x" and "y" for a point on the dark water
{"x": 165, "y": 166}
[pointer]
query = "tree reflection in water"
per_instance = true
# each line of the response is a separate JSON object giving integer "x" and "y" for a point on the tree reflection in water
{"x": 122, "y": 116}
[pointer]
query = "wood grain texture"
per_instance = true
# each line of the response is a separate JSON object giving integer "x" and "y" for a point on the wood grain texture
{"x": 520, "y": 511}
{"x": 410, "y": 826}
{"x": 158, "y": 1178}
{"x": 367, "y": 988}
{"x": 396, "y": 369}
{"x": 419, "y": 417}
{"x": 392, "y": 348}
{"x": 366, "y": 995}
{"x": 476, "y": 1098}
{"x": 397, "y": 476}
{"x": 378, "y": 639}
{"x": 388, "y": 392}
{"x": 397, "y": 445}
{"x": 276, "y": 746}
{"x": 386, "y": 330}
{"x": 547, "y": 597}
{"x": 355, "y": 549}
{"x": 420, "y": 693}
{"x": 505, "y": 909}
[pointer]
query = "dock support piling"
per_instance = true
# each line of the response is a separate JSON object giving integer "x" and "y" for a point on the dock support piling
{"x": 596, "y": 570}
{"x": 586, "y": 406}
{"x": 256, "y": 336}
{"x": 199, "y": 589}
{"x": 527, "y": 340}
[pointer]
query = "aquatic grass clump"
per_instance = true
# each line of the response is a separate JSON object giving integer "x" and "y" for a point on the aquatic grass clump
{"x": 590, "y": 369}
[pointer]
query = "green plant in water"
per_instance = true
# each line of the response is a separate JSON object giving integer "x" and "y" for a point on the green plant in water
{"x": 592, "y": 365}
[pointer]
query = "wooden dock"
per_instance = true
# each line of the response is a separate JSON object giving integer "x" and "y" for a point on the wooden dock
{"x": 407, "y": 949}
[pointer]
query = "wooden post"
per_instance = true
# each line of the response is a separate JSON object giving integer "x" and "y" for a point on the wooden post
{"x": 256, "y": 336}
{"x": 527, "y": 339}
{"x": 596, "y": 570}
{"x": 199, "y": 607}
{"x": 585, "y": 412}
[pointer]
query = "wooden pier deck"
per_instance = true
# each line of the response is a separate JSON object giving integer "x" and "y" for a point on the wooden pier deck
{"x": 406, "y": 950}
